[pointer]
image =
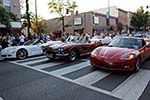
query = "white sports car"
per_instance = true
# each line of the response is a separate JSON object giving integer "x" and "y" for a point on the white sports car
{"x": 30, "y": 48}
{"x": 104, "y": 40}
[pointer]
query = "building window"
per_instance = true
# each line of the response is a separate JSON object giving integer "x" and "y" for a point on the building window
{"x": 78, "y": 21}
{"x": 8, "y": 8}
{"x": 95, "y": 20}
{"x": 7, "y": 5}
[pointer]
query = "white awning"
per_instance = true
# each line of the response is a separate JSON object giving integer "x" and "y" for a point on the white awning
{"x": 15, "y": 24}
{"x": 2, "y": 26}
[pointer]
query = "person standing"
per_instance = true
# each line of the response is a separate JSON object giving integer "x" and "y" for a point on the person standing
{"x": 21, "y": 39}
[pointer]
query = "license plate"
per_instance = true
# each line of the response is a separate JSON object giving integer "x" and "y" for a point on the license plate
{"x": 50, "y": 55}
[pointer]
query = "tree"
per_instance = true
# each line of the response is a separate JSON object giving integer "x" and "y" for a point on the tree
{"x": 41, "y": 25}
{"x": 4, "y": 17}
{"x": 140, "y": 19}
{"x": 7, "y": 17}
{"x": 119, "y": 26}
{"x": 61, "y": 8}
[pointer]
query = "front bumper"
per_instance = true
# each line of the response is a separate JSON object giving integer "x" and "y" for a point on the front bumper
{"x": 6, "y": 54}
{"x": 56, "y": 55}
{"x": 122, "y": 65}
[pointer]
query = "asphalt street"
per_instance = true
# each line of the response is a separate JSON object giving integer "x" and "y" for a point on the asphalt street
{"x": 22, "y": 83}
{"x": 37, "y": 78}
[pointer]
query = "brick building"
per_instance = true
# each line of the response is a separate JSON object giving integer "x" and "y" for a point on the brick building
{"x": 91, "y": 21}
{"x": 88, "y": 21}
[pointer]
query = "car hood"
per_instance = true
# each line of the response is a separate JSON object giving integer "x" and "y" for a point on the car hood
{"x": 63, "y": 45}
{"x": 114, "y": 52}
{"x": 51, "y": 43}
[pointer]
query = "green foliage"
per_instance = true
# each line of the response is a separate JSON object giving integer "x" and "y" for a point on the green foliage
{"x": 4, "y": 17}
{"x": 7, "y": 17}
{"x": 62, "y": 8}
{"x": 41, "y": 24}
{"x": 59, "y": 6}
{"x": 140, "y": 19}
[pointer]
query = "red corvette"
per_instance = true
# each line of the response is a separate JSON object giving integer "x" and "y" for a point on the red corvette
{"x": 123, "y": 54}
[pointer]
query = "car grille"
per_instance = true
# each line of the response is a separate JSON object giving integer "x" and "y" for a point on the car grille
{"x": 103, "y": 64}
{"x": 3, "y": 55}
{"x": 52, "y": 50}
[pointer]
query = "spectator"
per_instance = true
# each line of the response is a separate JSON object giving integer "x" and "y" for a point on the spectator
{"x": 21, "y": 39}
{"x": 4, "y": 42}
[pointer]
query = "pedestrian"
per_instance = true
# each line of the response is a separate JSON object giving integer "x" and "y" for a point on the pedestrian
{"x": 21, "y": 39}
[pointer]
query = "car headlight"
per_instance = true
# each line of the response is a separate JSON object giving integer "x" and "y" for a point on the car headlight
{"x": 60, "y": 49}
{"x": 128, "y": 56}
{"x": 94, "y": 52}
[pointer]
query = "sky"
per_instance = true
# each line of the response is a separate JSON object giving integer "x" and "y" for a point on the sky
{"x": 89, "y": 5}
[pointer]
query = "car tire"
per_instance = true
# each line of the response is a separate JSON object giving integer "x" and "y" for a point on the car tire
{"x": 94, "y": 68}
{"x": 22, "y": 54}
{"x": 72, "y": 55}
{"x": 137, "y": 64}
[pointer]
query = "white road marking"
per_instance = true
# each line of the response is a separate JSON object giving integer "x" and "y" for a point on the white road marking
{"x": 1, "y": 98}
{"x": 32, "y": 58}
{"x": 135, "y": 92}
{"x": 51, "y": 64}
{"x": 130, "y": 89}
{"x": 91, "y": 78}
{"x": 36, "y": 61}
{"x": 69, "y": 69}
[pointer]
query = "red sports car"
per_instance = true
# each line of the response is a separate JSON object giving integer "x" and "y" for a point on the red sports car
{"x": 123, "y": 54}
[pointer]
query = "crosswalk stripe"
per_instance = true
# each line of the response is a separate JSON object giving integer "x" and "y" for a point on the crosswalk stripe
{"x": 36, "y": 61}
{"x": 72, "y": 68}
{"x": 47, "y": 65}
{"x": 91, "y": 78}
{"x": 32, "y": 58}
{"x": 1, "y": 98}
{"x": 133, "y": 87}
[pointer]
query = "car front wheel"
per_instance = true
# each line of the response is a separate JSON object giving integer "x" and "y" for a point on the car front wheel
{"x": 72, "y": 55}
{"x": 137, "y": 64}
{"x": 22, "y": 54}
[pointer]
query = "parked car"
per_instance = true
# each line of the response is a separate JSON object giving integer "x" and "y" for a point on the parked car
{"x": 104, "y": 40}
{"x": 147, "y": 39}
{"x": 48, "y": 43}
{"x": 30, "y": 48}
{"x": 0, "y": 47}
{"x": 139, "y": 34}
{"x": 72, "y": 49}
{"x": 123, "y": 54}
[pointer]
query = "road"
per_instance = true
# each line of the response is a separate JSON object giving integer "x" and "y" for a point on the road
{"x": 37, "y": 78}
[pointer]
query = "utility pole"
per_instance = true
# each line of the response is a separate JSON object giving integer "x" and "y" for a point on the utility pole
{"x": 28, "y": 18}
{"x": 36, "y": 18}
{"x": 108, "y": 15}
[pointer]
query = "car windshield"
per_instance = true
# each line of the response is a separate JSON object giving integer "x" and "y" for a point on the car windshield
{"x": 76, "y": 39}
{"x": 98, "y": 37}
{"x": 147, "y": 36}
{"x": 72, "y": 39}
{"x": 126, "y": 43}
{"x": 32, "y": 42}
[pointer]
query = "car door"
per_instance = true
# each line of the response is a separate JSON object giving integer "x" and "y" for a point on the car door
{"x": 144, "y": 51}
{"x": 88, "y": 47}
{"x": 35, "y": 49}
